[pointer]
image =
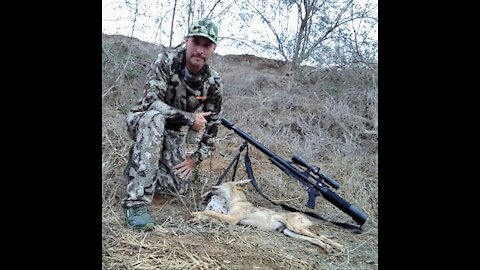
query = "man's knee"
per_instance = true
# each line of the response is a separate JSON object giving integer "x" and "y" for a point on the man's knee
{"x": 151, "y": 124}
{"x": 137, "y": 122}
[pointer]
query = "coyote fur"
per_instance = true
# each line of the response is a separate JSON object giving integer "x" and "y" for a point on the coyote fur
{"x": 241, "y": 211}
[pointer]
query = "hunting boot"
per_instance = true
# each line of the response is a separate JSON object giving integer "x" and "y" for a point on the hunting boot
{"x": 139, "y": 218}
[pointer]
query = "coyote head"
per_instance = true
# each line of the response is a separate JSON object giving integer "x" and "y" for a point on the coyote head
{"x": 227, "y": 189}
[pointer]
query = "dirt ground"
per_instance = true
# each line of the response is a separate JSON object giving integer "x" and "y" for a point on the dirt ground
{"x": 180, "y": 242}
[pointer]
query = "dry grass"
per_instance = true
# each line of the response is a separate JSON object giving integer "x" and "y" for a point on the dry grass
{"x": 332, "y": 123}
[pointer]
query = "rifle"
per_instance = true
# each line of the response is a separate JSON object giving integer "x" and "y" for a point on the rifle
{"x": 316, "y": 183}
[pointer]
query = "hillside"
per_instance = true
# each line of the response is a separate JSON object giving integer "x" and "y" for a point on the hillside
{"x": 329, "y": 117}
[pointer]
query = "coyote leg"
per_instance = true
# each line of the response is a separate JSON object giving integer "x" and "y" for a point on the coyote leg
{"x": 322, "y": 238}
{"x": 220, "y": 216}
{"x": 330, "y": 242}
{"x": 312, "y": 240}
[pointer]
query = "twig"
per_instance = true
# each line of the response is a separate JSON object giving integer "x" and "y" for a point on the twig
{"x": 141, "y": 244}
{"x": 361, "y": 245}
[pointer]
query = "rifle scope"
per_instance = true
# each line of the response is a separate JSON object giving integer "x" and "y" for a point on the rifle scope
{"x": 330, "y": 181}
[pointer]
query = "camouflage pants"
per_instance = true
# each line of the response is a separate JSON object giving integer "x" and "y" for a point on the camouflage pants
{"x": 155, "y": 152}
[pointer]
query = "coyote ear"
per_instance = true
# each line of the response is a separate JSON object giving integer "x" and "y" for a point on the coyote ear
{"x": 243, "y": 182}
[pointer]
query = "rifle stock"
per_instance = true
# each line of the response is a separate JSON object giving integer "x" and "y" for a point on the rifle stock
{"x": 316, "y": 185}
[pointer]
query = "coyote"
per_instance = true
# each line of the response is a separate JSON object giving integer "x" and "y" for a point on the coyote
{"x": 241, "y": 211}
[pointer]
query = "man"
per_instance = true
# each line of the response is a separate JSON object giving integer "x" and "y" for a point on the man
{"x": 182, "y": 92}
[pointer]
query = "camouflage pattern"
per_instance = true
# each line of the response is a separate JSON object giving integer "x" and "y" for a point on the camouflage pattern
{"x": 204, "y": 28}
{"x": 157, "y": 121}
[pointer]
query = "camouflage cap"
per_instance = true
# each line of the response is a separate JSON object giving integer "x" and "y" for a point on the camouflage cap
{"x": 204, "y": 28}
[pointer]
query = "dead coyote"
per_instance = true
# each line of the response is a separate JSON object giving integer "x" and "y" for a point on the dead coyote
{"x": 241, "y": 211}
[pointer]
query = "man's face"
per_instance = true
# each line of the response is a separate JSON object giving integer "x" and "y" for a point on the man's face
{"x": 199, "y": 50}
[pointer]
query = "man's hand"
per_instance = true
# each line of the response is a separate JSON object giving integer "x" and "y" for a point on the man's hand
{"x": 185, "y": 168}
{"x": 200, "y": 120}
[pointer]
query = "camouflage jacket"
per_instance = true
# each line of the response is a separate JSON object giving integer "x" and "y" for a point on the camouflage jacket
{"x": 177, "y": 98}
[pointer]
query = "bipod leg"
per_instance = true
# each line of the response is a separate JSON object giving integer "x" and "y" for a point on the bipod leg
{"x": 237, "y": 159}
{"x": 234, "y": 161}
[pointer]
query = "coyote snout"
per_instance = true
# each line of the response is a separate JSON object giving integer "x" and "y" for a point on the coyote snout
{"x": 241, "y": 211}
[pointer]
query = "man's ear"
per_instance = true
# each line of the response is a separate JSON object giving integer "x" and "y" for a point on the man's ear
{"x": 185, "y": 39}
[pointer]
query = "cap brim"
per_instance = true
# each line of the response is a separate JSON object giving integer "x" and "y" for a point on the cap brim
{"x": 202, "y": 35}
